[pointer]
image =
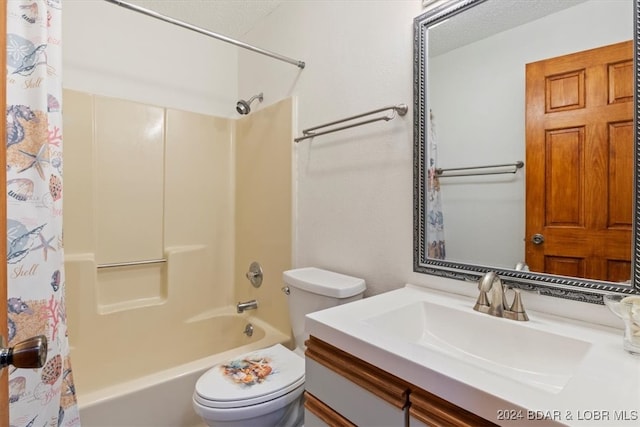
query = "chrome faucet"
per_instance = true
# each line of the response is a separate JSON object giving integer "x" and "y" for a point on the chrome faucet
{"x": 248, "y": 305}
{"x": 495, "y": 304}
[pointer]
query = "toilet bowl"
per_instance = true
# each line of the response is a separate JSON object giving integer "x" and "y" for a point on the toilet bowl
{"x": 264, "y": 388}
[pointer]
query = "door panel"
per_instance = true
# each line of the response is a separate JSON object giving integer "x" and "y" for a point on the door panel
{"x": 620, "y": 175}
{"x": 564, "y": 161}
{"x": 579, "y": 131}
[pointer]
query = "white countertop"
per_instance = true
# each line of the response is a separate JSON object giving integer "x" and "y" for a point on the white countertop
{"x": 603, "y": 389}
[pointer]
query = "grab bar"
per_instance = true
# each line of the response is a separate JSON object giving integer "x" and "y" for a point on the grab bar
{"x": 131, "y": 263}
{"x": 517, "y": 165}
{"x": 400, "y": 109}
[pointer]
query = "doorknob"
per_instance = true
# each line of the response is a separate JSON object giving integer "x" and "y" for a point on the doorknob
{"x": 537, "y": 239}
{"x": 30, "y": 353}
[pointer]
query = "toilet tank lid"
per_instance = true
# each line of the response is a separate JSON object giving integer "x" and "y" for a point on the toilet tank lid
{"x": 324, "y": 282}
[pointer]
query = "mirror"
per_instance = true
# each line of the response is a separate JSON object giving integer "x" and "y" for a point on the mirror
{"x": 470, "y": 98}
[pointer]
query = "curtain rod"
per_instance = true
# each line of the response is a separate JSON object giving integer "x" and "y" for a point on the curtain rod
{"x": 148, "y": 12}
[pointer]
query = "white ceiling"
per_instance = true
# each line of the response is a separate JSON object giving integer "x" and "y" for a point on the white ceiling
{"x": 232, "y": 18}
{"x": 490, "y": 18}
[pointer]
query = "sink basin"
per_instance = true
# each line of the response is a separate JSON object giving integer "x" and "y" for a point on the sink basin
{"x": 551, "y": 365}
{"x": 515, "y": 350}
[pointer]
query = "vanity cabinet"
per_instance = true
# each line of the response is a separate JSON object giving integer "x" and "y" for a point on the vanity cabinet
{"x": 343, "y": 390}
{"x": 351, "y": 389}
{"x": 427, "y": 409}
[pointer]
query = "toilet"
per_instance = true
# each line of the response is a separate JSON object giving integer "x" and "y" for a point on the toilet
{"x": 264, "y": 388}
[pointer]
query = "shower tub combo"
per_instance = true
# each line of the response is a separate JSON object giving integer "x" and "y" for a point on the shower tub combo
{"x": 141, "y": 395}
{"x": 151, "y": 297}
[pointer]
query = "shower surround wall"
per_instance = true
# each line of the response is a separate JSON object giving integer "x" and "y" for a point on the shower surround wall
{"x": 264, "y": 207}
{"x": 150, "y": 183}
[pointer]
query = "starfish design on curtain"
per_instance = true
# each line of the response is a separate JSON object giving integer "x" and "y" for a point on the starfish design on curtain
{"x": 45, "y": 245}
{"x": 37, "y": 161}
{"x": 35, "y": 128}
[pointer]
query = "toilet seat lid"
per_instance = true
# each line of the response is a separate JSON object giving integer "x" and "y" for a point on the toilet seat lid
{"x": 251, "y": 378}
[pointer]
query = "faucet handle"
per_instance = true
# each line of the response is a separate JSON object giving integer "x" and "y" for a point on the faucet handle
{"x": 517, "y": 308}
{"x": 485, "y": 285}
{"x": 517, "y": 302}
{"x": 483, "y": 301}
{"x": 505, "y": 304}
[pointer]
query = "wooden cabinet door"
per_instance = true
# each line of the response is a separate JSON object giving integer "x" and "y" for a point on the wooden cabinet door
{"x": 579, "y": 173}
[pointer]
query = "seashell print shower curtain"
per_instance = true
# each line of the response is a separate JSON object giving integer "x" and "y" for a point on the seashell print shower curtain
{"x": 36, "y": 285}
{"x": 435, "y": 219}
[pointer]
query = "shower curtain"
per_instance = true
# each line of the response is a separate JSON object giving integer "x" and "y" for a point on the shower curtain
{"x": 36, "y": 284}
{"x": 435, "y": 219}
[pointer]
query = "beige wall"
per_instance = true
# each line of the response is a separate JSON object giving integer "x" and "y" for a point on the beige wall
{"x": 207, "y": 194}
{"x": 143, "y": 183}
{"x": 264, "y": 207}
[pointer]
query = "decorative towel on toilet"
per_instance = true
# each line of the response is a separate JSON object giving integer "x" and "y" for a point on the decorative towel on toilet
{"x": 36, "y": 285}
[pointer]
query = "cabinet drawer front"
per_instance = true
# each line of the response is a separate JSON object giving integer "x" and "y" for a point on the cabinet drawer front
{"x": 430, "y": 410}
{"x": 387, "y": 387}
{"x": 317, "y": 414}
{"x": 353, "y": 402}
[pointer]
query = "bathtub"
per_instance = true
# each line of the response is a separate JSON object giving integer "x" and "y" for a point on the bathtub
{"x": 137, "y": 397}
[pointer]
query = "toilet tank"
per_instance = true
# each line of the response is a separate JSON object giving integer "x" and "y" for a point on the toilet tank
{"x": 313, "y": 289}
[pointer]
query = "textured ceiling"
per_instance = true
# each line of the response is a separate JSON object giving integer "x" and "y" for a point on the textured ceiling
{"x": 232, "y": 18}
{"x": 489, "y": 18}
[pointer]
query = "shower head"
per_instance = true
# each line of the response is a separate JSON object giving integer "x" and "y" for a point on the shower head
{"x": 244, "y": 107}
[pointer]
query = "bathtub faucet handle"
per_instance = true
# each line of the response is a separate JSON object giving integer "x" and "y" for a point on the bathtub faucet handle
{"x": 247, "y": 305}
{"x": 255, "y": 274}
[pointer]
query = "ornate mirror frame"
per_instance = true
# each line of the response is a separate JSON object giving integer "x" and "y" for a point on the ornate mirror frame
{"x": 583, "y": 290}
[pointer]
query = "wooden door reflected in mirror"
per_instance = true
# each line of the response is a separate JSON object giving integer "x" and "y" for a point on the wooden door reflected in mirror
{"x": 579, "y": 169}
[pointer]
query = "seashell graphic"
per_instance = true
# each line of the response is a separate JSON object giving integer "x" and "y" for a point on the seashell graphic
{"x": 32, "y": 422}
{"x": 17, "y": 115}
{"x": 12, "y": 329}
{"x": 55, "y": 187}
{"x": 53, "y": 105}
{"x": 52, "y": 370}
{"x": 17, "y": 387}
{"x": 55, "y": 280}
{"x": 17, "y": 306}
{"x": 56, "y": 162}
{"x": 19, "y": 240}
{"x": 249, "y": 371}
{"x": 17, "y": 48}
{"x": 30, "y": 13}
{"x": 20, "y": 189}
{"x": 23, "y": 56}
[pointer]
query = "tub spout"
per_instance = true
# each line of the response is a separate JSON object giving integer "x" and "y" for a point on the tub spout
{"x": 248, "y": 305}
